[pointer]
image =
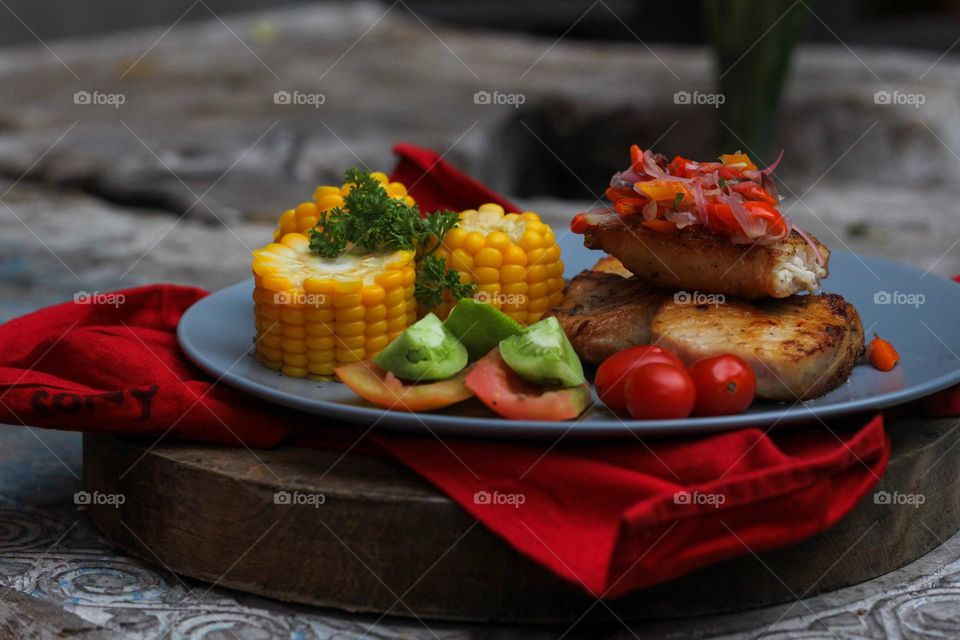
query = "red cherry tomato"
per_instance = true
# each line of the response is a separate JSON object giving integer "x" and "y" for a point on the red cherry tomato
{"x": 612, "y": 373}
{"x": 659, "y": 391}
{"x": 725, "y": 385}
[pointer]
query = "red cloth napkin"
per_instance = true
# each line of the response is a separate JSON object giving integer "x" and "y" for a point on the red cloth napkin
{"x": 610, "y": 517}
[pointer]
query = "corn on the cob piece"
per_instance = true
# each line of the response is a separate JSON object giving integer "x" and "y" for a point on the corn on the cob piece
{"x": 305, "y": 216}
{"x": 512, "y": 257}
{"x": 313, "y": 314}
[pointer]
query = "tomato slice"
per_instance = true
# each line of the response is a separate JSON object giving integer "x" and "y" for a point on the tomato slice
{"x": 509, "y": 395}
{"x": 775, "y": 222}
{"x": 384, "y": 389}
{"x": 751, "y": 191}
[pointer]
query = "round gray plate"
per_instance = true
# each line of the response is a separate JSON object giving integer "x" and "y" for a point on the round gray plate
{"x": 914, "y": 310}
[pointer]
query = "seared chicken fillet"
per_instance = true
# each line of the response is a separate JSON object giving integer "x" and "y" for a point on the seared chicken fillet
{"x": 799, "y": 347}
{"x": 694, "y": 259}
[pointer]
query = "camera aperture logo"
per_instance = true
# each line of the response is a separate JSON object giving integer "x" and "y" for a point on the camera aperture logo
{"x": 496, "y": 498}
{"x": 699, "y": 98}
{"x": 299, "y": 499}
{"x": 299, "y": 299}
{"x": 98, "y": 98}
{"x": 695, "y": 497}
{"x": 897, "y": 499}
{"x": 487, "y": 297}
{"x": 95, "y": 297}
{"x": 86, "y": 498}
{"x": 498, "y": 97}
{"x": 899, "y": 98}
{"x": 898, "y": 297}
{"x": 299, "y": 98}
{"x": 697, "y": 299}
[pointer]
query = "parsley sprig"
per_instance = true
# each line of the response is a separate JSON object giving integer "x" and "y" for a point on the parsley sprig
{"x": 371, "y": 221}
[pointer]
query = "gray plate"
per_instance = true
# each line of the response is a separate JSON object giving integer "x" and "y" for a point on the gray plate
{"x": 915, "y": 311}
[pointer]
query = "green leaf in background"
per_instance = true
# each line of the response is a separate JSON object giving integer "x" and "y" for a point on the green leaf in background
{"x": 753, "y": 41}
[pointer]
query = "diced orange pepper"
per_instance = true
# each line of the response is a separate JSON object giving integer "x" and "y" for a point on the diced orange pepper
{"x": 664, "y": 190}
{"x": 882, "y": 354}
{"x": 738, "y": 158}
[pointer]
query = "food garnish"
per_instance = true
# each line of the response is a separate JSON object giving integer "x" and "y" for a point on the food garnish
{"x": 543, "y": 355}
{"x": 426, "y": 350}
{"x": 386, "y": 390}
{"x": 882, "y": 354}
{"x": 480, "y": 327}
{"x": 370, "y": 220}
{"x": 731, "y": 198}
{"x": 305, "y": 216}
{"x": 725, "y": 385}
{"x": 509, "y": 395}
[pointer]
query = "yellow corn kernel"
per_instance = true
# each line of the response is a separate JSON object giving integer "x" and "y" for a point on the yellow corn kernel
{"x": 305, "y": 209}
{"x": 397, "y": 189}
{"x": 536, "y": 273}
{"x": 515, "y": 255}
{"x": 294, "y": 372}
{"x": 454, "y": 238}
{"x": 491, "y": 206}
{"x": 409, "y": 276}
{"x": 375, "y": 345}
{"x": 321, "y": 369}
{"x": 351, "y": 342}
{"x": 348, "y": 300}
{"x": 395, "y": 297}
{"x": 380, "y": 177}
{"x": 342, "y": 287}
{"x": 315, "y": 344}
{"x": 519, "y": 316}
{"x": 397, "y": 311}
{"x": 473, "y": 242}
{"x": 376, "y": 312}
{"x": 326, "y": 190}
{"x": 376, "y": 328}
{"x": 486, "y": 275}
{"x": 324, "y": 314}
{"x": 510, "y": 273}
{"x": 488, "y": 257}
{"x": 349, "y": 355}
{"x": 530, "y": 240}
{"x": 461, "y": 260}
{"x": 351, "y": 314}
{"x": 556, "y": 298}
{"x": 347, "y": 329}
{"x": 538, "y": 290}
{"x": 390, "y": 280}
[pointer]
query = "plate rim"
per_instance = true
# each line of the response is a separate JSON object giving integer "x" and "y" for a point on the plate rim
{"x": 493, "y": 427}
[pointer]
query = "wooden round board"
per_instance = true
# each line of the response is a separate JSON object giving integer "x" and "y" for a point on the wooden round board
{"x": 383, "y": 541}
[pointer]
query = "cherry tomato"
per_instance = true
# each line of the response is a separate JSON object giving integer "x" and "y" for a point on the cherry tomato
{"x": 725, "y": 385}
{"x": 659, "y": 391}
{"x": 612, "y": 373}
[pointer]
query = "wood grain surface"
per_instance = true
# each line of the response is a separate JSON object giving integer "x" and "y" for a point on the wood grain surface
{"x": 363, "y": 534}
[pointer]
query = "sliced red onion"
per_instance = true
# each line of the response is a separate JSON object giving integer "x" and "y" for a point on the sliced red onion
{"x": 649, "y": 211}
{"x": 809, "y": 241}
{"x": 752, "y": 226}
{"x": 770, "y": 186}
{"x": 599, "y": 216}
{"x": 776, "y": 162}
{"x": 752, "y": 174}
{"x": 700, "y": 200}
{"x": 682, "y": 218}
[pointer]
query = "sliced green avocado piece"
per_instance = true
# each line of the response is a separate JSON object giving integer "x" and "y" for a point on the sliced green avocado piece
{"x": 425, "y": 351}
{"x": 480, "y": 327}
{"x": 543, "y": 355}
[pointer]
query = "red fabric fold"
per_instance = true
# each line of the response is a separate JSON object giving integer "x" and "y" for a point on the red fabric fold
{"x": 610, "y": 517}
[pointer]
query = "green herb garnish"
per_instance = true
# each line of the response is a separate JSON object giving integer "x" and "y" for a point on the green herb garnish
{"x": 677, "y": 199}
{"x": 372, "y": 221}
